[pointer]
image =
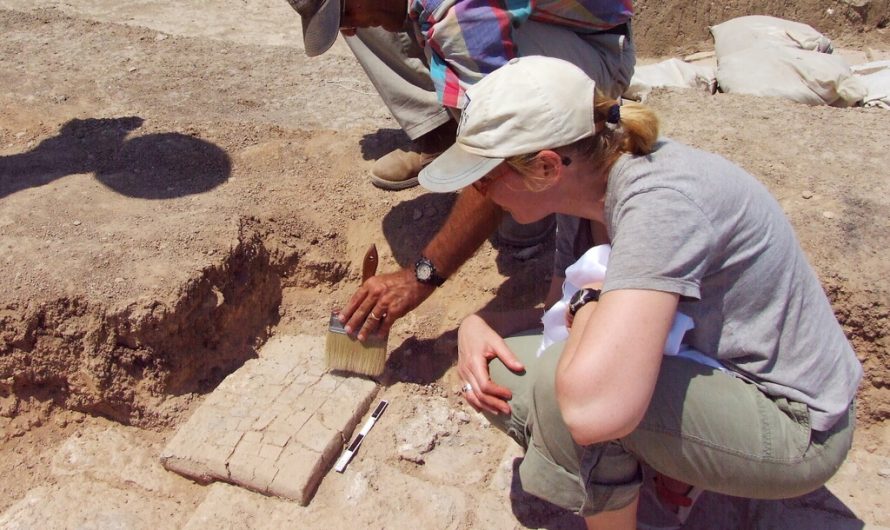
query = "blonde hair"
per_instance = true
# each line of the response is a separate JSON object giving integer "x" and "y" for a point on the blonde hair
{"x": 636, "y": 134}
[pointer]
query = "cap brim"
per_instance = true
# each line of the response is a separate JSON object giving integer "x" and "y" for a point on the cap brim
{"x": 455, "y": 169}
{"x": 320, "y": 31}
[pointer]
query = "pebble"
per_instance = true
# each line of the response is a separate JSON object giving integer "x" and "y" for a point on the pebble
{"x": 131, "y": 69}
{"x": 160, "y": 36}
{"x": 828, "y": 215}
{"x": 807, "y": 194}
{"x": 76, "y": 223}
{"x": 884, "y": 472}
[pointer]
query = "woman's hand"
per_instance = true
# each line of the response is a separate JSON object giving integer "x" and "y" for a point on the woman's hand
{"x": 477, "y": 345}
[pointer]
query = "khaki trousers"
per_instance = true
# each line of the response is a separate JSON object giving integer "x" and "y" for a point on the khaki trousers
{"x": 703, "y": 427}
{"x": 397, "y": 67}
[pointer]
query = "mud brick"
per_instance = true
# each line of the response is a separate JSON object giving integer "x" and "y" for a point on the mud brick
{"x": 274, "y": 426}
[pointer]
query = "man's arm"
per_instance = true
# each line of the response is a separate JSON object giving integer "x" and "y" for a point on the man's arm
{"x": 472, "y": 219}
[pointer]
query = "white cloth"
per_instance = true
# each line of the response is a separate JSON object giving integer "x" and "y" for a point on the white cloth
{"x": 876, "y": 78}
{"x": 591, "y": 267}
{"x": 672, "y": 73}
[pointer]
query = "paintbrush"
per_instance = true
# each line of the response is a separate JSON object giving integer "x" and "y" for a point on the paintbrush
{"x": 347, "y": 354}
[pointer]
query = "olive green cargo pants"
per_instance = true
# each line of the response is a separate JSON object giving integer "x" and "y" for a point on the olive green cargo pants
{"x": 703, "y": 427}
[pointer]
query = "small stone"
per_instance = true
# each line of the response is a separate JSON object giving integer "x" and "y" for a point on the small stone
{"x": 119, "y": 280}
{"x": 884, "y": 472}
{"x": 160, "y": 37}
{"x": 416, "y": 214}
{"x": 828, "y": 215}
{"x": 76, "y": 223}
{"x": 131, "y": 69}
{"x": 807, "y": 194}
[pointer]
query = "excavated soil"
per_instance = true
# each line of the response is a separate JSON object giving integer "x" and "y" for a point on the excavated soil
{"x": 177, "y": 183}
{"x": 663, "y": 28}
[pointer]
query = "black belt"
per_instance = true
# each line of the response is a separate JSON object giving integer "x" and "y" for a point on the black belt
{"x": 621, "y": 29}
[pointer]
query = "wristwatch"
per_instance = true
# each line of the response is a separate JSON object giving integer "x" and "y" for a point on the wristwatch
{"x": 581, "y": 298}
{"x": 426, "y": 272}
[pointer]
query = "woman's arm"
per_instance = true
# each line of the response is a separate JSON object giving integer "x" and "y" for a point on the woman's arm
{"x": 607, "y": 372}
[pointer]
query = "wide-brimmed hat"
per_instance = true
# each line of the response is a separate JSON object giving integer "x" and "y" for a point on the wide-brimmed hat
{"x": 529, "y": 104}
{"x": 321, "y": 23}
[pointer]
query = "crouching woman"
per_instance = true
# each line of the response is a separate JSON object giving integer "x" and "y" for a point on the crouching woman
{"x": 765, "y": 412}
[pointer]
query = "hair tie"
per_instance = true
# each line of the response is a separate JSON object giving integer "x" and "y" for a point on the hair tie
{"x": 613, "y": 117}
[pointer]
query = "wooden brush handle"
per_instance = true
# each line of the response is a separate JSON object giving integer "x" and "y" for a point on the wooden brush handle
{"x": 369, "y": 264}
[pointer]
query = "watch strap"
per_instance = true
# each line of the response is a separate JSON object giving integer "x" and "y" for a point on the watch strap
{"x": 581, "y": 298}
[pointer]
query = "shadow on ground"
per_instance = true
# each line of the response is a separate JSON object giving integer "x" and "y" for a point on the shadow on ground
{"x": 375, "y": 145}
{"x": 152, "y": 166}
{"x": 819, "y": 510}
{"x": 412, "y": 223}
{"x": 421, "y": 361}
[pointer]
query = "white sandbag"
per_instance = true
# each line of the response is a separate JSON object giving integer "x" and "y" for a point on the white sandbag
{"x": 672, "y": 73}
{"x": 875, "y": 76}
{"x": 768, "y": 56}
{"x": 766, "y": 32}
{"x": 807, "y": 77}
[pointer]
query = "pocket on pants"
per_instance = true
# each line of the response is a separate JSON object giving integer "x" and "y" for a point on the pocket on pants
{"x": 549, "y": 481}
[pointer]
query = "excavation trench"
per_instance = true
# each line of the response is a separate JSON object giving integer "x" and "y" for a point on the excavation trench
{"x": 77, "y": 354}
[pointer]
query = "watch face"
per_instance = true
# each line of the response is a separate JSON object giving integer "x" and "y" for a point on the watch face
{"x": 423, "y": 271}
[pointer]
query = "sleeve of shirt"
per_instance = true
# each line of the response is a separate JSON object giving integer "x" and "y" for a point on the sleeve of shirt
{"x": 465, "y": 40}
{"x": 661, "y": 240}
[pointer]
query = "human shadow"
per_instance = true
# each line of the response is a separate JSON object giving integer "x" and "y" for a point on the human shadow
{"x": 409, "y": 225}
{"x": 533, "y": 512}
{"x": 818, "y": 509}
{"x": 421, "y": 361}
{"x": 375, "y": 145}
{"x": 152, "y": 166}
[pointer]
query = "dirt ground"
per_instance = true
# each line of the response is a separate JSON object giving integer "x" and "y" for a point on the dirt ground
{"x": 178, "y": 182}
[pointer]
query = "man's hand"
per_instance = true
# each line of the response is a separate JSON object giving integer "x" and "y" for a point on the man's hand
{"x": 477, "y": 345}
{"x": 382, "y": 300}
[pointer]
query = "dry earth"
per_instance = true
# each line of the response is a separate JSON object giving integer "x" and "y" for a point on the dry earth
{"x": 178, "y": 182}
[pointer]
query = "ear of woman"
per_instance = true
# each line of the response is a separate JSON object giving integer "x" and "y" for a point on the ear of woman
{"x": 549, "y": 167}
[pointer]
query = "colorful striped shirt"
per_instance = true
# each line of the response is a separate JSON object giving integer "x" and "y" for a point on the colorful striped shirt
{"x": 467, "y": 39}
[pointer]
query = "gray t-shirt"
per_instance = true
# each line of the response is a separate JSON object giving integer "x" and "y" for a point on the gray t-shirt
{"x": 692, "y": 223}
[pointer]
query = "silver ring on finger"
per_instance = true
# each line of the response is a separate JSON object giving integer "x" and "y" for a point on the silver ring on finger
{"x": 372, "y": 316}
{"x": 468, "y": 388}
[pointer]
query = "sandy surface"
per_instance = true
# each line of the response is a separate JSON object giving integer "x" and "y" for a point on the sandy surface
{"x": 178, "y": 182}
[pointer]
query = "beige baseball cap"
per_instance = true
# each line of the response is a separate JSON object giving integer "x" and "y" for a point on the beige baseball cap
{"x": 529, "y": 104}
